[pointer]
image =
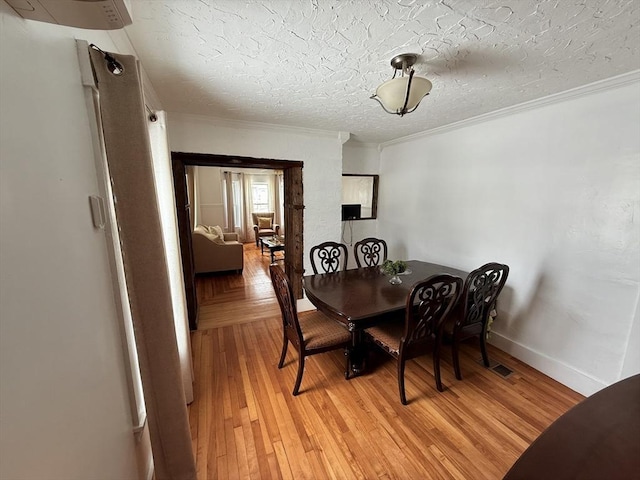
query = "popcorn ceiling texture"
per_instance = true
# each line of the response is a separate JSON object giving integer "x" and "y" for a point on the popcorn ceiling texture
{"x": 314, "y": 63}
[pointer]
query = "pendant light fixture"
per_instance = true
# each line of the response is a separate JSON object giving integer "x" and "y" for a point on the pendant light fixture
{"x": 402, "y": 94}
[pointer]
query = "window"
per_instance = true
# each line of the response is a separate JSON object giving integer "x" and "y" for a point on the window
{"x": 260, "y": 196}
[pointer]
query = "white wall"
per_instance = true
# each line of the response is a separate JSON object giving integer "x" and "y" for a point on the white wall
{"x": 64, "y": 405}
{"x": 321, "y": 153}
{"x": 553, "y": 190}
{"x": 359, "y": 158}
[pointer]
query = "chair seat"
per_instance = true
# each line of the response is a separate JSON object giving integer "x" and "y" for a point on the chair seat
{"x": 448, "y": 329}
{"x": 265, "y": 232}
{"x": 388, "y": 335}
{"x": 320, "y": 331}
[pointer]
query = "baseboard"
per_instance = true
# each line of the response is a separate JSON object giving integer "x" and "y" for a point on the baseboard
{"x": 304, "y": 305}
{"x": 561, "y": 372}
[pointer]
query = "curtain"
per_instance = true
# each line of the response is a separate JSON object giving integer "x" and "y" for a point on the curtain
{"x": 234, "y": 206}
{"x": 195, "y": 205}
{"x": 190, "y": 173}
{"x": 157, "y": 126}
{"x": 130, "y": 165}
{"x": 279, "y": 200}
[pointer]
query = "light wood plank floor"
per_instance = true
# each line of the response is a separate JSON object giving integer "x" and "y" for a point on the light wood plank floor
{"x": 246, "y": 424}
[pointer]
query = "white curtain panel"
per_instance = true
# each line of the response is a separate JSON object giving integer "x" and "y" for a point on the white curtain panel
{"x": 165, "y": 193}
{"x": 234, "y": 205}
{"x": 279, "y": 200}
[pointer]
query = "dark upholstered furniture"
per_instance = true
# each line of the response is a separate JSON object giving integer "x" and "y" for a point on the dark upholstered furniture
{"x": 427, "y": 306}
{"x": 370, "y": 252}
{"x": 311, "y": 334}
{"x": 471, "y": 315}
{"x": 329, "y": 257}
{"x": 599, "y": 438}
{"x": 264, "y": 226}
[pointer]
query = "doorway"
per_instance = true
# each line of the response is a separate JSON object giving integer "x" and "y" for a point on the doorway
{"x": 293, "y": 215}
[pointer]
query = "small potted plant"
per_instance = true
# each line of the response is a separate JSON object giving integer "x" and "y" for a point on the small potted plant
{"x": 392, "y": 269}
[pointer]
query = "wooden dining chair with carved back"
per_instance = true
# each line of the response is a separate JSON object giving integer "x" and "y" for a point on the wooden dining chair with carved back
{"x": 329, "y": 257}
{"x": 370, "y": 252}
{"x": 470, "y": 318}
{"x": 428, "y": 304}
{"x": 310, "y": 334}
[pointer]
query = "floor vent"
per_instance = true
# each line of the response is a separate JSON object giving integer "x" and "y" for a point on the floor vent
{"x": 501, "y": 370}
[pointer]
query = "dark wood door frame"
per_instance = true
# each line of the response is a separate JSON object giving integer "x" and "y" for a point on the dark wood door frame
{"x": 293, "y": 215}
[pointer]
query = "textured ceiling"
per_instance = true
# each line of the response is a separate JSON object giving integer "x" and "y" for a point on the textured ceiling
{"x": 314, "y": 63}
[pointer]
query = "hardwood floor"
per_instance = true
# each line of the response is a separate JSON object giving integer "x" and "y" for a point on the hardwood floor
{"x": 246, "y": 424}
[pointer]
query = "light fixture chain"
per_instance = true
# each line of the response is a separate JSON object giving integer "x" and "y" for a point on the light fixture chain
{"x": 406, "y": 98}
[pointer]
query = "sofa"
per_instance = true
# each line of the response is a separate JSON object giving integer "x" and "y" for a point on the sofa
{"x": 215, "y": 251}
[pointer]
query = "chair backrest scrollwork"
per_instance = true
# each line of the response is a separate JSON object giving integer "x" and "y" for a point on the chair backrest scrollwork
{"x": 329, "y": 257}
{"x": 370, "y": 252}
{"x": 428, "y": 305}
{"x": 482, "y": 287}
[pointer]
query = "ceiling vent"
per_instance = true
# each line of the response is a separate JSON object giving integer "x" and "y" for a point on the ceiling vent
{"x": 91, "y": 14}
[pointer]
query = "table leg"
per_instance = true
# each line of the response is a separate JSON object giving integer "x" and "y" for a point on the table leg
{"x": 261, "y": 248}
{"x": 356, "y": 355}
{"x": 273, "y": 257}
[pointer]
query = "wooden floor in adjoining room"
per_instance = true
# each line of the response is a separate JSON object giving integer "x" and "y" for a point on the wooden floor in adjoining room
{"x": 246, "y": 424}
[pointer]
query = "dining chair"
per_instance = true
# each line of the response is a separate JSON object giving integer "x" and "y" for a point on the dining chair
{"x": 428, "y": 304}
{"x": 470, "y": 317}
{"x": 310, "y": 334}
{"x": 370, "y": 252}
{"x": 329, "y": 257}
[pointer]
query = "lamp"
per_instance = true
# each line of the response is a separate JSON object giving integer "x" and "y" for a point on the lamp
{"x": 402, "y": 94}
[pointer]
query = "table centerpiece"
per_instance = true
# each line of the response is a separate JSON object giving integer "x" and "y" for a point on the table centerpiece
{"x": 394, "y": 269}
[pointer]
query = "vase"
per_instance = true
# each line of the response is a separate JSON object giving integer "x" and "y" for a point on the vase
{"x": 395, "y": 280}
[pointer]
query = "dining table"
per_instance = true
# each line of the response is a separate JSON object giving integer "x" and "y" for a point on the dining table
{"x": 597, "y": 438}
{"x": 362, "y": 297}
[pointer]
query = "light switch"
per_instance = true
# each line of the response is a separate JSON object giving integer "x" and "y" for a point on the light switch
{"x": 97, "y": 211}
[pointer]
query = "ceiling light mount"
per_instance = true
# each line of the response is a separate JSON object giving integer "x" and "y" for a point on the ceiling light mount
{"x": 402, "y": 94}
{"x": 403, "y": 61}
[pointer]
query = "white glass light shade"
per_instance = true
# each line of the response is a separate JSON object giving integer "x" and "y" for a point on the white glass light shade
{"x": 392, "y": 93}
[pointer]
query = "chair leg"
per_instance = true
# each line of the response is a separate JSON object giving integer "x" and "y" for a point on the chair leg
{"x": 347, "y": 372}
{"x": 296, "y": 388}
{"x": 285, "y": 343}
{"x": 483, "y": 348}
{"x": 436, "y": 367}
{"x": 456, "y": 360}
{"x": 403, "y": 397}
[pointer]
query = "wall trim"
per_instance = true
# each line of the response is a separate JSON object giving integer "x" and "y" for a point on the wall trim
{"x": 268, "y": 127}
{"x": 559, "y": 371}
{"x": 305, "y": 305}
{"x": 607, "y": 84}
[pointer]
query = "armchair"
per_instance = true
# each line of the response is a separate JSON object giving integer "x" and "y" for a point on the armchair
{"x": 264, "y": 226}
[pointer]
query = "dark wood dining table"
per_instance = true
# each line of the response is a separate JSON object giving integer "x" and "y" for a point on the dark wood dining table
{"x": 358, "y": 296}
{"x": 599, "y": 438}
{"x": 362, "y": 297}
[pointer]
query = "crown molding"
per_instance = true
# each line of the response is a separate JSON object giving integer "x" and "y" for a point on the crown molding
{"x": 589, "y": 89}
{"x": 268, "y": 127}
